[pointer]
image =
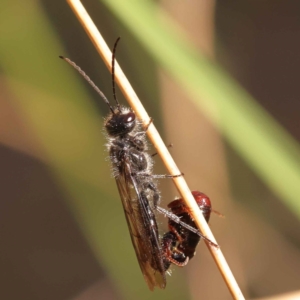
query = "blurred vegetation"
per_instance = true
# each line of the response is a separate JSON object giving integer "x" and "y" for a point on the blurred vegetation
{"x": 64, "y": 118}
{"x": 275, "y": 156}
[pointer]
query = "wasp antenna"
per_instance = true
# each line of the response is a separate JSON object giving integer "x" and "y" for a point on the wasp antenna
{"x": 88, "y": 79}
{"x": 113, "y": 59}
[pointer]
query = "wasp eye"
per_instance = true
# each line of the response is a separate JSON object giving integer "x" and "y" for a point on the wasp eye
{"x": 130, "y": 117}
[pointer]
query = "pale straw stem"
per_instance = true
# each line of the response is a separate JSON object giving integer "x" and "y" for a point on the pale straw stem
{"x": 158, "y": 143}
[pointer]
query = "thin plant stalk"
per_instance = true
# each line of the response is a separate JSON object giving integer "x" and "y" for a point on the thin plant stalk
{"x": 158, "y": 143}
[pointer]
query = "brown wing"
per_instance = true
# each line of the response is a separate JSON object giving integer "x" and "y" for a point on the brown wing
{"x": 143, "y": 229}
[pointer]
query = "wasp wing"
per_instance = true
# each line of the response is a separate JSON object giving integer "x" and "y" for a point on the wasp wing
{"x": 142, "y": 226}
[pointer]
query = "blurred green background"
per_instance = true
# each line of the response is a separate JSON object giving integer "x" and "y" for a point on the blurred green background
{"x": 220, "y": 79}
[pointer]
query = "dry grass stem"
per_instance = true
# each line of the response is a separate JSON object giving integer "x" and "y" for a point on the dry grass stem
{"x": 158, "y": 143}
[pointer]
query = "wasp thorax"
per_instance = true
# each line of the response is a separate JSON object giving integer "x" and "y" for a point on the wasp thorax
{"x": 120, "y": 123}
{"x": 138, "y": 160}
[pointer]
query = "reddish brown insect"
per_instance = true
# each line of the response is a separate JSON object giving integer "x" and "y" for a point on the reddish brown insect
{"x": 179, "y": 244}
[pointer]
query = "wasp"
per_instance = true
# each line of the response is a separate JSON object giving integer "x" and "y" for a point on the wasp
{"x": 132, "y": 168}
